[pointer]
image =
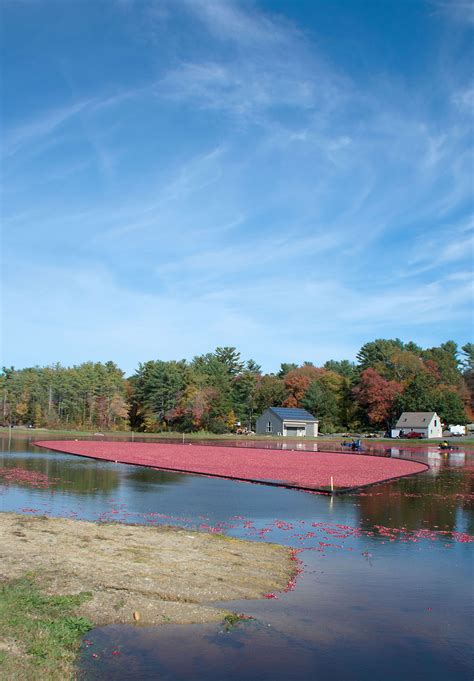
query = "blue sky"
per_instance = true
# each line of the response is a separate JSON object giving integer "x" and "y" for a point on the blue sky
{"x": 293, "y": 178}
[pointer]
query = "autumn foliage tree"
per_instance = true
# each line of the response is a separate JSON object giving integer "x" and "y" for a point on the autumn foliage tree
{"x": 297, "y": 382}
{"x": 377, "y": 397}
{"x": 216, "y": 390}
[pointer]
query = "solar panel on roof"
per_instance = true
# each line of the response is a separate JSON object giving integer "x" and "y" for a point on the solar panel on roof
{"x": 296, "y": 414}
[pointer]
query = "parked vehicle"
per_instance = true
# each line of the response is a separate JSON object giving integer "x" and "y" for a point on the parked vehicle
{"x": 413, "y": 435}
{"x": 458, "y": 431}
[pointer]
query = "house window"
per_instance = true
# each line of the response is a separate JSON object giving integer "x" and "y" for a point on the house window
{"x": 269, "y": 427}
{"x": 436, "y": 423}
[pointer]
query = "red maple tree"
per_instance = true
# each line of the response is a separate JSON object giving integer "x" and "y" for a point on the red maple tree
{"x": 377, "y": 396}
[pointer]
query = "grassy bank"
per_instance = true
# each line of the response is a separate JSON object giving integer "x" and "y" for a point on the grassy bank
{"x": 40, "y": 634}
{"x": 122, "y": 434}
{"x": 45, "y": 433}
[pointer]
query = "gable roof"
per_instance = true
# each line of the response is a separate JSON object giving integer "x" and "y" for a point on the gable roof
{"x": 415, "y": 419}
{"x": 292, "y": 414}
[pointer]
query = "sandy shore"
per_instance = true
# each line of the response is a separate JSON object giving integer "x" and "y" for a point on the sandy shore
{"x": 165, "y": 574}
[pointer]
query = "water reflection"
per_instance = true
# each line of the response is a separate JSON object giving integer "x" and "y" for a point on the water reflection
{"x": 262, "y": 652}
{"x": 142, "y": 475}
{"x": 427, "y": 506}
{"x": 79, "y": 478}
{"x": 73, "y": 474}
{"x": 457, "y": 458}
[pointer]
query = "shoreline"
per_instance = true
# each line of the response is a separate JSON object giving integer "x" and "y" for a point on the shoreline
{"x": 127, "y": 435}
{"x": 130, "y": 574}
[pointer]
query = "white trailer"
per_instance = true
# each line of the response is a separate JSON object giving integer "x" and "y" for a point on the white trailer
{"x": 457, "y": 430}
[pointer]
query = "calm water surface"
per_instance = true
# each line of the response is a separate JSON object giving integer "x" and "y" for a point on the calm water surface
{"x": 386, "y": 588}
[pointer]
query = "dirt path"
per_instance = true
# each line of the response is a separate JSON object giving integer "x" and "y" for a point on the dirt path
{"x": 165, "y": 574}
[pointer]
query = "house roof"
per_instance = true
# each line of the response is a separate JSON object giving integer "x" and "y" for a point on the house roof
{"x": 292, "y": 414}
{"x": 415, "y": 419}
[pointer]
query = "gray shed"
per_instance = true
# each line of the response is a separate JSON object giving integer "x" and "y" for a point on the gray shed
{"x": 287, "y": 422}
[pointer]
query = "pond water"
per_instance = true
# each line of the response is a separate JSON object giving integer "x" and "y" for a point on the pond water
{"x": 385, "y": 591}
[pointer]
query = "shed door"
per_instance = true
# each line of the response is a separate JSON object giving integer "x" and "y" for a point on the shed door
{"x": 290, "y": 430}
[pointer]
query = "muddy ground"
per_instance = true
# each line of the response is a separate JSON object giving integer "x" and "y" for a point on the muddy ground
{"x": 165, "y": 574}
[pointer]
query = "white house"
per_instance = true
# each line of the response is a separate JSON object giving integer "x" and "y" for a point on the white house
{"x": 287, "y": 422}
{"x": 427, "y": 423}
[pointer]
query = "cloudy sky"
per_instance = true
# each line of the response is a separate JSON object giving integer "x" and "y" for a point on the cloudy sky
{"x": 291, "y": 177}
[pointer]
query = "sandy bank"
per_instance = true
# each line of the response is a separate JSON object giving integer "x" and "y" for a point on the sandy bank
{"x": 166, "y": 574}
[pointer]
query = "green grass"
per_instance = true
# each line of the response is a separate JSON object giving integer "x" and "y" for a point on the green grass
{"x": 44, "y": 433}
{"x": 460, "y": 441}
{"x": 41, "y": 633}
{"x": 233, "y": 619}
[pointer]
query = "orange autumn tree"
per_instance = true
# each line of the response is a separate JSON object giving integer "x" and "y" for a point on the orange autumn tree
{"x": 297, "y": 382}
{"x": 377, "y": 397}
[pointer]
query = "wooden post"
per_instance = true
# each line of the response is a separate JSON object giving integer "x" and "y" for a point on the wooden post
{"x": 332, "y": 485}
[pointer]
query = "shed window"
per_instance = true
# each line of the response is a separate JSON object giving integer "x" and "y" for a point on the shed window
{"x": 269, "y": 427}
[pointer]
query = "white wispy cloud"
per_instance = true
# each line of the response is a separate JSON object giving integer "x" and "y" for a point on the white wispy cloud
{"x": 48, "y": 122}
{"x": 464, "y": 99}
{"x": 272, "y": 65}
{"x": 434, "y": 251}
{"x": 87, "y": 308}
{"x": 41, "y": 126}
{"x": 255, "y": 195}
{"x": 437, "y": 302}
{"x": 461, "y": 11}
{"x": 231, "y": 21}
{"x": 241, "y": 90}
{"x": 158, "y": 209}
{"x": 204, "y": 268}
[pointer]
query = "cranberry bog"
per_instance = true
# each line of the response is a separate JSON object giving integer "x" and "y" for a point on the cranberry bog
{"x": 312, "y": 471}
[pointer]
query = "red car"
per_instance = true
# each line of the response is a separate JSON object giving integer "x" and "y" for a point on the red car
{"x": 413, "y": 436}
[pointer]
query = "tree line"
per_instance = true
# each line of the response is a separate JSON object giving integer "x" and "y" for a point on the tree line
{"x": 218, "y": 391}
